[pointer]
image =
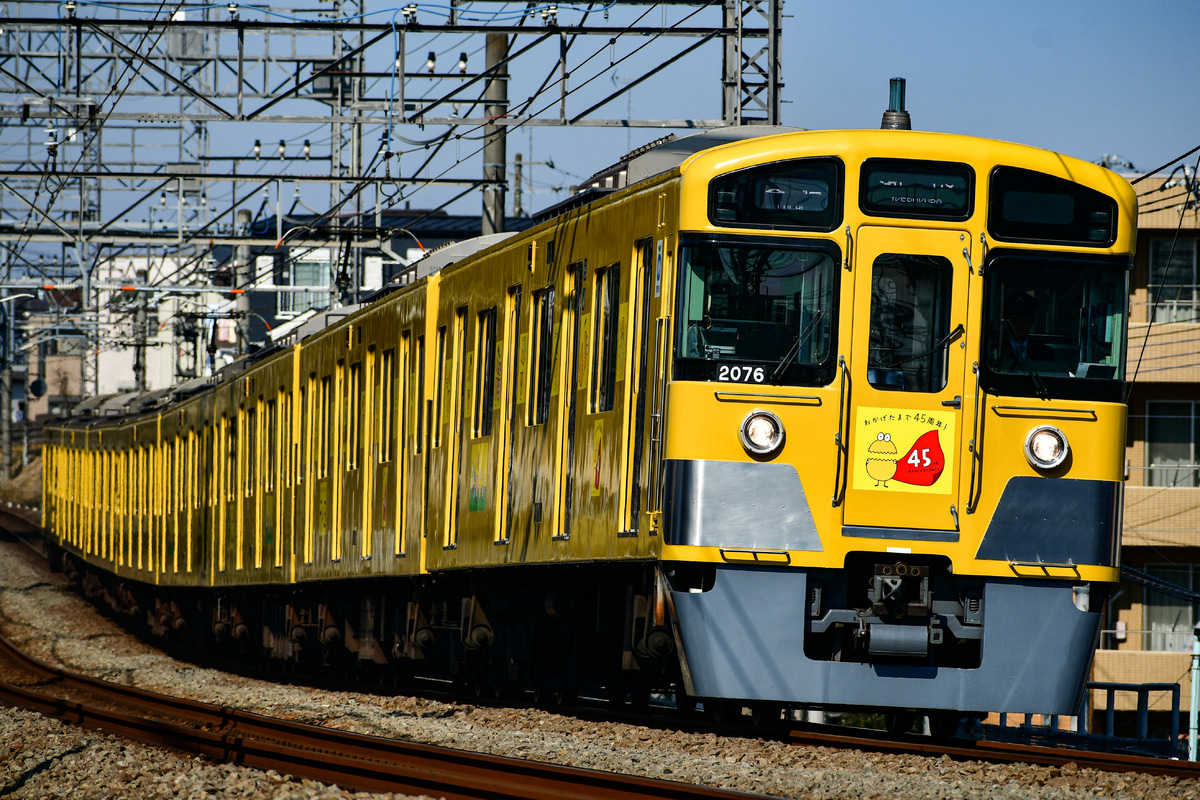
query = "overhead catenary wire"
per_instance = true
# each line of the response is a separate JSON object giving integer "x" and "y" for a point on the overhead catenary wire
{"x": 98, "y": 124}
{"x": 520, "y": 123}
{"x": 1175, "y": 160}
{"x": 438, "y": 142}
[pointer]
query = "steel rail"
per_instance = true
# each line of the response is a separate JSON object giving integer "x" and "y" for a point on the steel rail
{"x": 997, "y": 752}
{"x": 355, "y": 761}
{"x": 390, "y": 765}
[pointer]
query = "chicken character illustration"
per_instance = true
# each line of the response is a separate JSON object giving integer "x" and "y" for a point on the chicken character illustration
{"x": 881, "y": 461}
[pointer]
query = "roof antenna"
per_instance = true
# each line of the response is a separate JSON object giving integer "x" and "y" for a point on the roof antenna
{"x": 896, "y": 118}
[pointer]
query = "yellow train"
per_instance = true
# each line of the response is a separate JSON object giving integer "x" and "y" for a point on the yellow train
{"x": 784, "y": 418}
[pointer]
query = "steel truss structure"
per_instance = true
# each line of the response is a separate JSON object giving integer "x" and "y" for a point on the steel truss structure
{"x": 111, "y": 124}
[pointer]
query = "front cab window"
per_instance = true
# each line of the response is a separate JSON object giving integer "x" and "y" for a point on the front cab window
{"x": 755, "y": 310}
{"x": 910, "y": 323}
{"x": 1054, "y": 326}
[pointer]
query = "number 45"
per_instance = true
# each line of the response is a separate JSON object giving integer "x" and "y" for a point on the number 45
{"x": 921, "y": 459}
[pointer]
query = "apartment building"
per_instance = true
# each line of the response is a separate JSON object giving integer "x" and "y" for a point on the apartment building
{"x": 1148, "y": 633}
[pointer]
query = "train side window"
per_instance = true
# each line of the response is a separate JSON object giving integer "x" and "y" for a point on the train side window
{"x": 485, "y": 372}
{"x": 386, "y": 400}
{"x": 418, "y": 394}
{"x": 269, "y": 434}
{"x": 354, "y": 422}
{"x": 439, "y": 386}
{"x": 910, "y": 323}
{"x": 604, "y": 338}
{"x": 305, "y": 438}
{"x": 541, "y": 356}
{"x": 231, "y": 451}
{"x": 462, "y": 375}
{"x": 250, "y": 417}
{"x": 325, "y": 416}
{"x": 285, "y": 438}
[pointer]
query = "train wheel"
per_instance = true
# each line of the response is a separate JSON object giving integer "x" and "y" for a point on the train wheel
{"x": 766, "y": 715}
{"x": 725, "y": 712}
{"x": 943, "y": 724}
{"x": 639, "y": 699}
{"x": 899, "y": 722}
{"x": 553, "y": 695}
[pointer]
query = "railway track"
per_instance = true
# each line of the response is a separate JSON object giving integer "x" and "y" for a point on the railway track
{"x": 355, "y": 761}
{"x": 993, "y": 752}
{"x": 380, "y": 764}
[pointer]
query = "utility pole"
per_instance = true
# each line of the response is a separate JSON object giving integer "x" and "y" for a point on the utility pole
{"x": 517, "y": 210}
{"x": 139, "y": 336}
{"x": 496, "y": 97}
{"x": 241, "y": 281}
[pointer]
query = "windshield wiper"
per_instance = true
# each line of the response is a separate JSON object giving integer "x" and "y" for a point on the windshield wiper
{"x": 1039, "y": 388}
{"x": 946, "y": 341}
{"x": 792, "y": 352}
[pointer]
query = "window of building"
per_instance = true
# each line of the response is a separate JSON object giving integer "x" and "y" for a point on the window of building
{"x": 1169, "y": 620}
{"x": 1173, "y": 280}
{"x": 1171, "y": 443}
{"x": 311, "y": 269}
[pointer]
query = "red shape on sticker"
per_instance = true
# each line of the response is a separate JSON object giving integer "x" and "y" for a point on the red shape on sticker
{"x": 922, "y": 465}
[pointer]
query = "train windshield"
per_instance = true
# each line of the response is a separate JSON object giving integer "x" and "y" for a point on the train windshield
{"x": 1054, "y": 326}
{"x": 756, "y": 311}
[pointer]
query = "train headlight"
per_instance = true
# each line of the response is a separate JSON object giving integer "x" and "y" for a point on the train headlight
{"x": 1046, "y": 447}
{"x": 762, "y": 433}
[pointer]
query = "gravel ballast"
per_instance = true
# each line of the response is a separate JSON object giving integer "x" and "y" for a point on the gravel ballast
{"x": 40, "y": 757}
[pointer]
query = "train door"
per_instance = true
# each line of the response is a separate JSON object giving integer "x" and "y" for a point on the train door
{"x": 576, "y": 279}
{"x": 906, "y": 382}
{"x": 639, "y": 325}
{"x": 661, "y": 342}
{"x": 386, "y": 397}
{"x": 456, "y": 403}
{"x": 509, "y": 414}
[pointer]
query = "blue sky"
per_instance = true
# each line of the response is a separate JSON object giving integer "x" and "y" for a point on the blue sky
{"x": 1082, "y": 78}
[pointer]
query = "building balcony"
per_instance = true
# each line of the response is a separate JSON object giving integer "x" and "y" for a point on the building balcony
{"x": 1141, "y": 666}
{"x": 1157, "y": 516}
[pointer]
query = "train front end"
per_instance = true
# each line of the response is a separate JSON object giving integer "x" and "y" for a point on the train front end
{"x": 894, "y": 432}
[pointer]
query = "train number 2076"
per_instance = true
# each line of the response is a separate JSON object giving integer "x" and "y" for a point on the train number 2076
{"x": 726, "y": 372}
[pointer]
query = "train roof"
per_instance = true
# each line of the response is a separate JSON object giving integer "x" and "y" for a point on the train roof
{"x": 442, "y": 257}
{"x": 655, "y": 158}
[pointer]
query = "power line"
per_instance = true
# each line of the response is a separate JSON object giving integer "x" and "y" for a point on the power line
{"x": 1141, "y": 178}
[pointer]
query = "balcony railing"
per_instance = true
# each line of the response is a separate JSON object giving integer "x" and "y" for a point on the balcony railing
{"x": 1172, "y": 476}
{"x": 1174, "y": 303}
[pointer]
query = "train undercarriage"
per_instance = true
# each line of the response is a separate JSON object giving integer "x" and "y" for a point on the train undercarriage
{"x": 614, "y": 632}
{"x": 603, "y": 630}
